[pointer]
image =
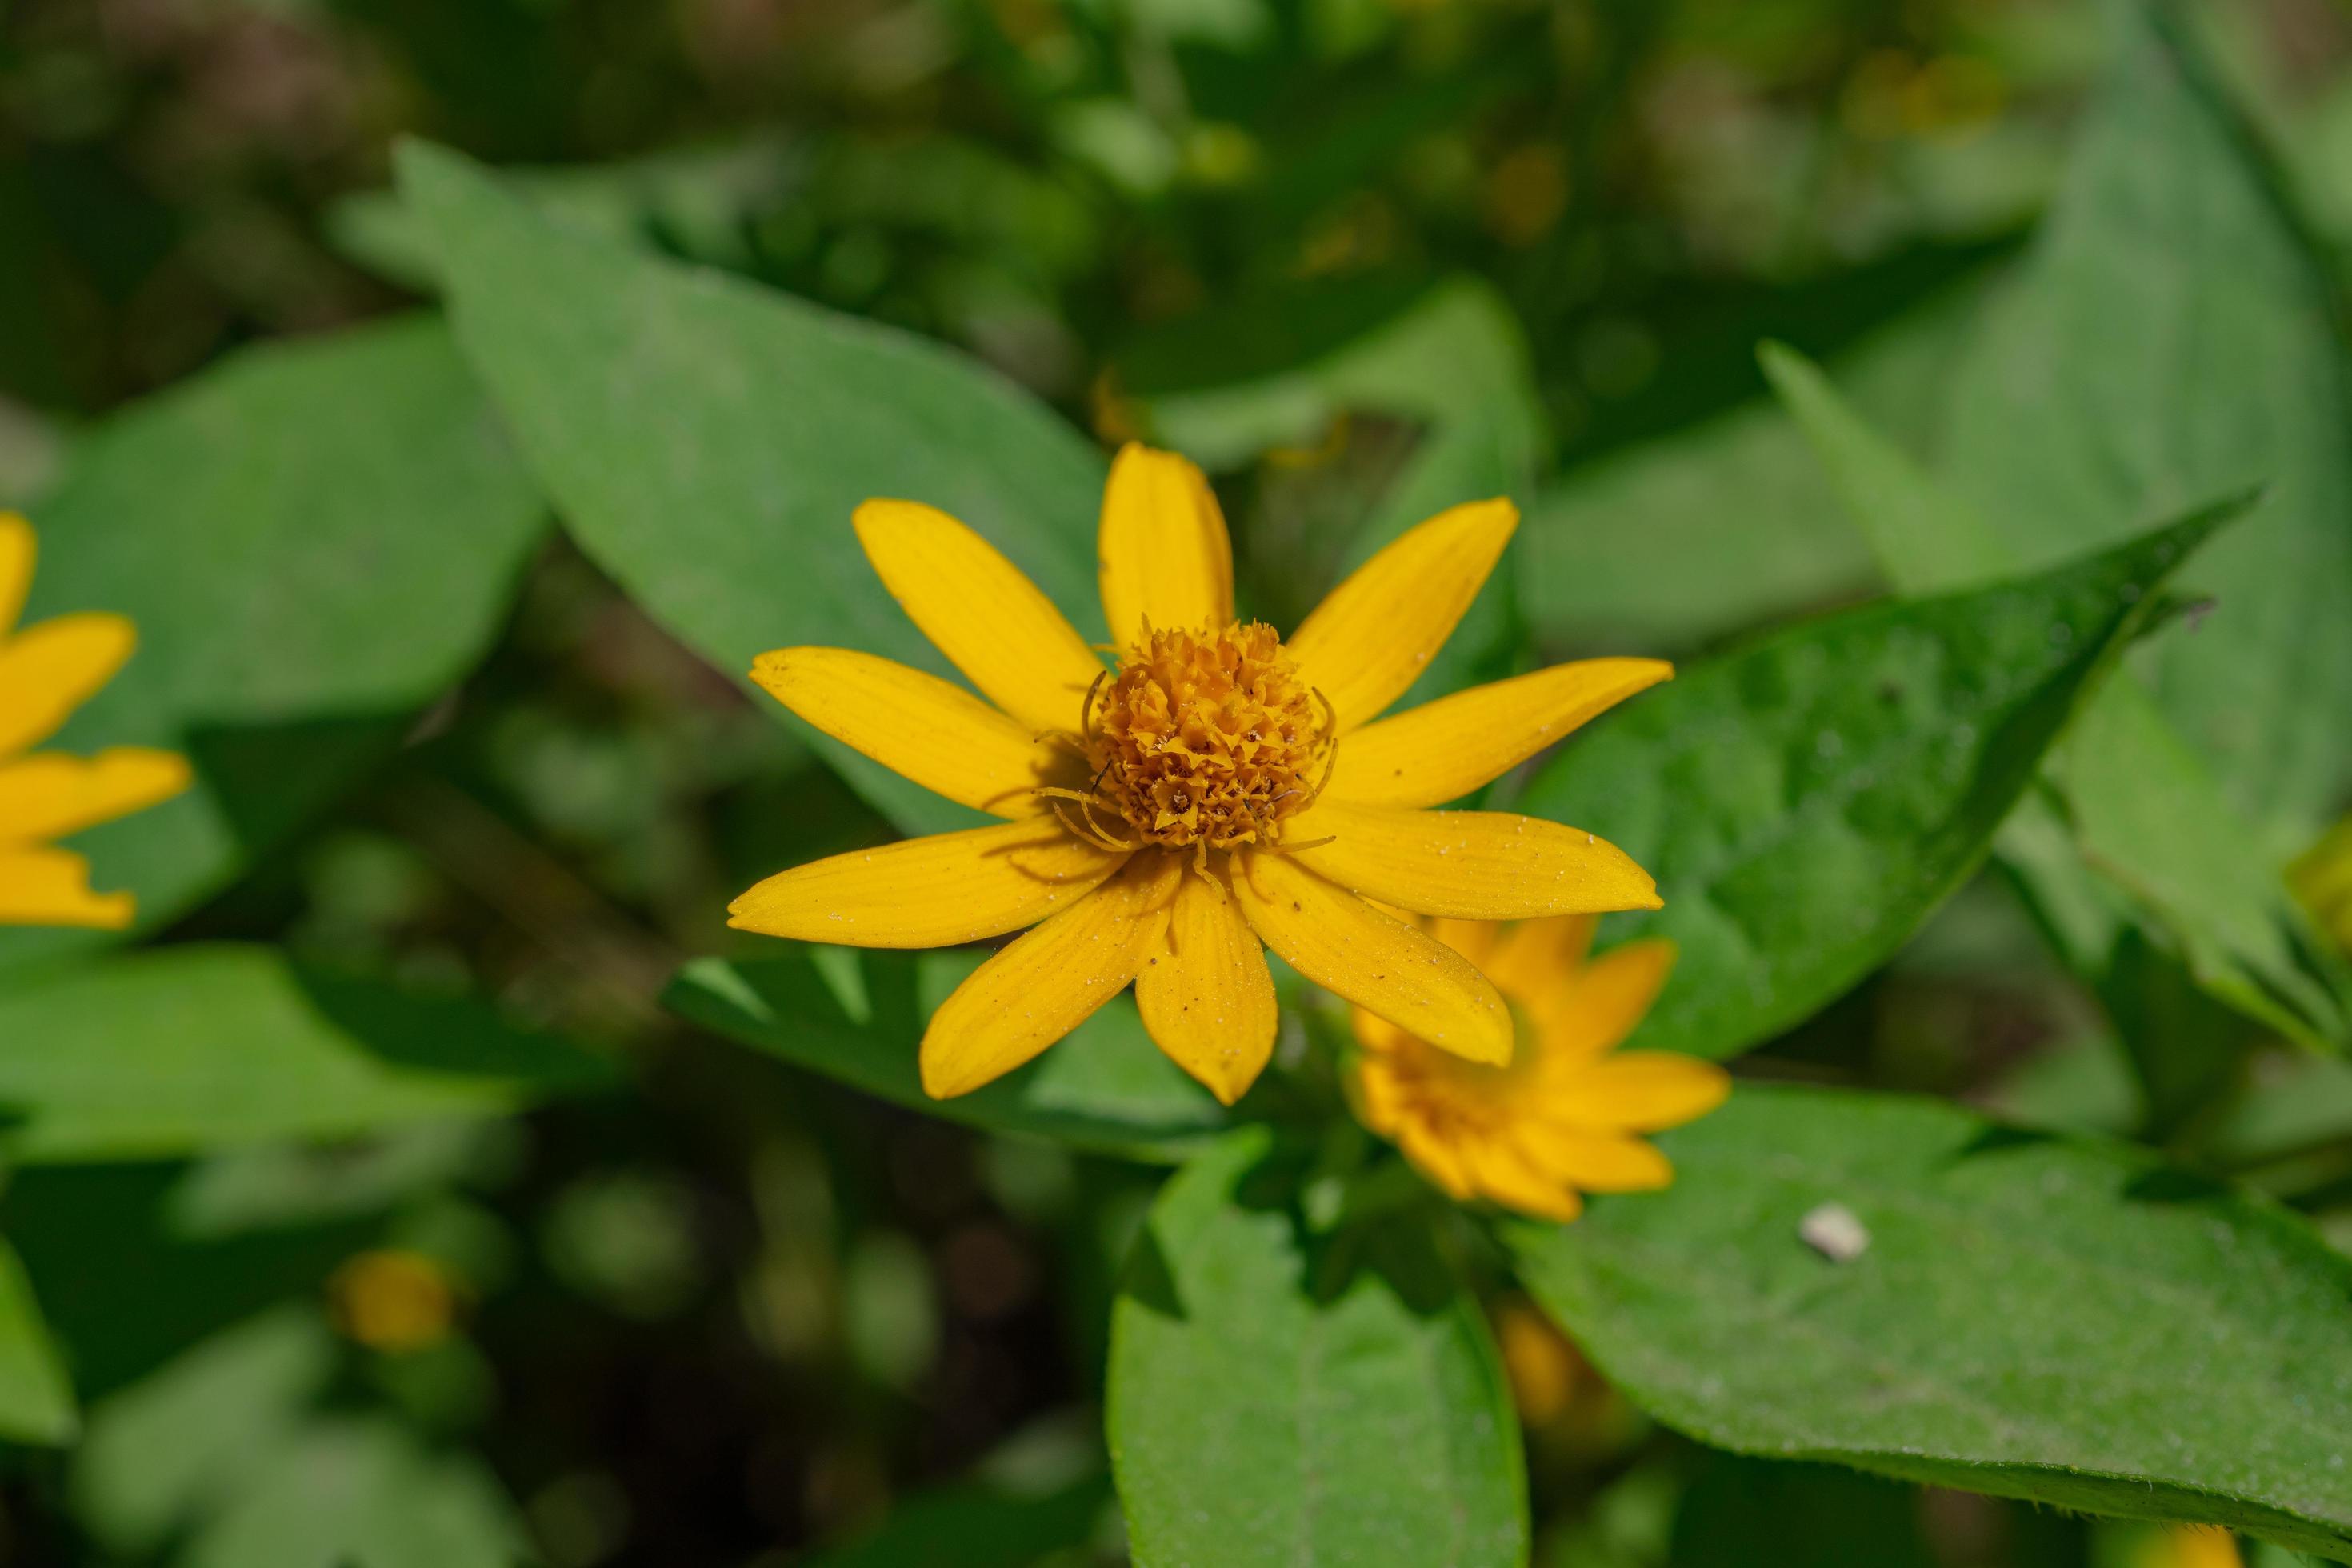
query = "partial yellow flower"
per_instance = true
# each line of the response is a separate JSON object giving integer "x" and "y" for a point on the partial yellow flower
{"x": 45, "y": 672}
{"x": 2322, "y": 879}
{"x": 2189, "y": 1546}
{"x": 1220, "y": 791}
{"x": 393, "y": 1301}
{"x": 1563, "y": 1118}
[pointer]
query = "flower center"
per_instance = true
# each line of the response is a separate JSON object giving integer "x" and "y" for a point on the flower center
{"x": 1206, "y": 737}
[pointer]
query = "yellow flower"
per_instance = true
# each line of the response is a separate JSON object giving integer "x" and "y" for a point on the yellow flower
{"x": 1222, "y": 788}
{"x": 45, "y": 672}
{"x": 393, "y": 1300}
{"x": 1561, "y": 1118}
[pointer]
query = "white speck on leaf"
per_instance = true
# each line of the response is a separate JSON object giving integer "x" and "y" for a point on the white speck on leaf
{"x": 1832, "y": 1230}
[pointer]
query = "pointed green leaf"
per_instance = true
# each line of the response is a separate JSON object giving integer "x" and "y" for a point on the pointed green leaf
{"x": 2143, "y": 808}
{"x": 1280, "y": 1401}
{"x": 189, "y": 1049}
{"x": 1805, "y": 803}
{"x": 2175, "y": 335}
{"x": 707, "y": 440}
{"x": 2030, "y": 1316}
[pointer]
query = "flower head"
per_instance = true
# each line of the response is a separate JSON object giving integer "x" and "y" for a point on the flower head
{"x": 1214, "y": 790}
{"x": 45, "y": 672}
{"x": 1562, "y": 1118}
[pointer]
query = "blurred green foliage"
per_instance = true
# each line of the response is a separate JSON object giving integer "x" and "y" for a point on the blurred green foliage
{"x": 410, "y": 1200}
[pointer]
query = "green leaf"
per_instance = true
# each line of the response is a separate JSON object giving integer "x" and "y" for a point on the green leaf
{"x": 314, "y": 540}
{"x": 1455, "y": 353}
{"x": 1106, "y": 1086}
{"x": 1474, "y": 454}
{"x": 190, "y": 1049}
{"x": 163, "y": 1450}
{"x": 706, "y": 441}
{"x": 1278, "y": 1400}
{"x": 2143, "y": 807}
{"x": 1804, "y": 804}
{"x": 2034, "y": 1317}
{"x": 363, "y": 1489}
{"x": 1678, "y": 541}
{"x": 2174, "y": 335}
{"x": 699, "y": 195}
{"x": 37, "y": 1401}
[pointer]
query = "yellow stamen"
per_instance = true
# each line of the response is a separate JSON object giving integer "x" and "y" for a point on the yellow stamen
{"x": 1206, "y": 737}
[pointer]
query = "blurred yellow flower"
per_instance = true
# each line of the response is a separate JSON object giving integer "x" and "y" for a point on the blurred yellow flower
{"x": 45, "y": 672}
{"x": 1561, "y": 1118}
{"x": 393, "y": 1300}
{"x": 1222, "y": 789}
{"x": 2191, "y": 1546}
{"x": 2322, "y": 879}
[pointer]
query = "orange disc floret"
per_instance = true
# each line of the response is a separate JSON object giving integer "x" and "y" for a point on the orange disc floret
{"x": 1208, "y": 737}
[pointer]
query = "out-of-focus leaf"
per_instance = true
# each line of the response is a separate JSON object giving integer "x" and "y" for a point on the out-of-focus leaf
{"x": 314, "y": 539}
{"x": 363, "y": 1490}
{"x": 706, "y": 441}
{"x": 698, "y": 195}
{"x": 2077, "y": 1086}
{"x": 1456, "y": 351}
{"x": 1275, "y": 1399}
{"x": 2069, "y": 1322}
{"x": 1471, "y": 457}
{"x": 2143, "y": 808}
{"x": 2174, "y": 335}
{"x": 31, "y": 448}
{"x": 191, "y": 1048}
{"x": 37, "y": 1401}
{"x": 2293, "y": 1104}
{"x": 1106, "y": 1086}
{"x": 104, "y": 1306}
{"x": 1670, "y": 545}
{"x": 1805, "y": 803}
{"x": 272, "y": 1186}
{"x": 164, "y": 1450}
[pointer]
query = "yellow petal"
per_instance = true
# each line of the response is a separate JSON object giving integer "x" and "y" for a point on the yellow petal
{"x": 1205, "y": 991}
{"x": 1049, "y": 981}
{"x": 1536, "y": 958}
{"x": 937, "y": 892}
{"x": 1477, "y": 941}
{"x": 1600, "y": 1004}
{"x": 1510, "y": 1177}
{"x": 1442, "y": 750}
{"x": 1639, "y": 1091}
{"x": 938, "y": 734}
{"x": 1439, "y": 1161}
{"x": 51, "y": 888}
{"x": 1376, "y": 1093}
{"x": 48, "y": 671}
{"x": 1163, "y": 554}
{"x": 1597, "y": 1161}
{"x": 982, "y": 611}
{"x": 51, "y": 795}
{"x": 19, "y": 550}
{"x": 1380, "y": 963}
{"x": 1377, "y": 632}
{"x": 1475, "y": 865}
